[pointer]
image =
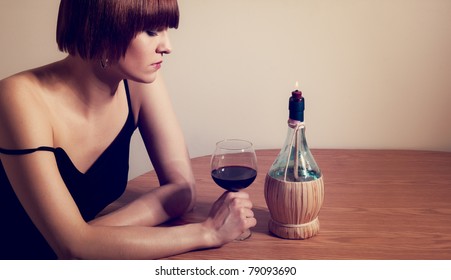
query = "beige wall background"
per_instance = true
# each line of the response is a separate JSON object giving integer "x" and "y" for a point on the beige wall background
{"x": 376, "y": 74}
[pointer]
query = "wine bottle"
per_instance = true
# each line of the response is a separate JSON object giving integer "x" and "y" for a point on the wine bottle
{"x": 294, "y": 188}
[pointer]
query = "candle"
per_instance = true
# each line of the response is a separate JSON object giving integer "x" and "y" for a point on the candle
{"x": 296, "y": 105}
{"x": 297, "y": 93}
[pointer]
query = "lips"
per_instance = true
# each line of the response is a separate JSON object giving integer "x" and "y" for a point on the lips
{"x": 157, "y": 64}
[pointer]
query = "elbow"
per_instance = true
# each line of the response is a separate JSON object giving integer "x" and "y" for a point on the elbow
{"x": 182, "y": 199}
{"x": 191, "y": 194}
{"x": 68, "y": 253}
{"x": 72, "y": 246}
{"x": 187, "y": 195}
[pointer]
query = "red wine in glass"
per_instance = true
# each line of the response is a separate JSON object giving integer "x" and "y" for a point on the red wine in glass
{"x": 234, "y": 178}
{"x": 234, "y": 167}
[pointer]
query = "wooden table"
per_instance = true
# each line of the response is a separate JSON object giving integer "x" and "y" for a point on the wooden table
{"x": 379, "y": 204}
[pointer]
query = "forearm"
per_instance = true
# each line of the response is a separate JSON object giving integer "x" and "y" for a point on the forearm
{"x": 230, "y": 215}
{"x": 152, "y": 208}
{"x": 100, "y": 242}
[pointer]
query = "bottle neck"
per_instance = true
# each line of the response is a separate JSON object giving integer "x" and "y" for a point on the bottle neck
{"x": 295, "y": 124}
{"x": 296, "y": 136}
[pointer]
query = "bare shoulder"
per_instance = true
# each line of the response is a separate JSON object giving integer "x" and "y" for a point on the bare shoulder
{"x": 142, "y": 93}
{"x": 24, "y": 84}
{"x": 18, "y": 95}
{"x": 15, "y": 83}
{"x": 23, "y": 117}
{"x": 149, "y": 95}
{"x": 141, "y": 90}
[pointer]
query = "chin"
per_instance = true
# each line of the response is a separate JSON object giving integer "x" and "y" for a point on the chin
{"x": 144, "y": 79}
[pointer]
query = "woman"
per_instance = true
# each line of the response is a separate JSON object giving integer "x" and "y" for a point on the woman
{"x": 65, "y": 132}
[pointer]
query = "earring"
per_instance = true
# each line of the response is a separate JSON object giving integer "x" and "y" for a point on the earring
{"x": 104, "y": 63}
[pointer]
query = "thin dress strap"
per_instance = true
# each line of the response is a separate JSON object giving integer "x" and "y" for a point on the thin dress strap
{"x": 26, "y": 151}
{"x": 127, "y": 92}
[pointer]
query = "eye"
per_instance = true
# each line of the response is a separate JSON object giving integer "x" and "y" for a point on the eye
{"x": 152, "y": 33}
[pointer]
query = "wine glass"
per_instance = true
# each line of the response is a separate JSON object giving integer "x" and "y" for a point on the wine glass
{"x": 234, "y": 167}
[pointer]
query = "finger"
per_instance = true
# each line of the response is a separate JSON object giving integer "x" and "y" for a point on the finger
{"x": 240, "y": 194}
{"x": 247, "y": 213}
{"x": 250, "y": 222}
{"x": 224, "y": 195}
{"x": 246, "y": 203}
{"x": 238, "y": 203}
{"x": 221, "y": 199}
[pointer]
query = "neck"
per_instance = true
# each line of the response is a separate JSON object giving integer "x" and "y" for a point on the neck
{"x": 88, "y": 81}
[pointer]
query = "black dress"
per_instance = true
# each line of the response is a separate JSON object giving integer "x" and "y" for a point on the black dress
{"x": 92, "y": 191}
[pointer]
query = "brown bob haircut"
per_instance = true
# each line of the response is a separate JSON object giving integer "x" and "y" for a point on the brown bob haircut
{"x": 96, "y": 29}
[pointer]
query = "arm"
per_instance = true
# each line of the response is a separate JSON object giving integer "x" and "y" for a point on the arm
{"x": 165, "y": 143}
{"x": 166, "y": 147}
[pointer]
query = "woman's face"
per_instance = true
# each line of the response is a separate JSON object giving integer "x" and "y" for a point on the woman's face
{"x": 144, "y": 56}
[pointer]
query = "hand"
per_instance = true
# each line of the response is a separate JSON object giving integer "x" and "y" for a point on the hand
{"x": 230, "y": 216}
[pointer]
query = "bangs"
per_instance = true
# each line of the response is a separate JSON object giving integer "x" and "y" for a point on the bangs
{"x": 143, "y": 15}
{"x": 159, "y": 14}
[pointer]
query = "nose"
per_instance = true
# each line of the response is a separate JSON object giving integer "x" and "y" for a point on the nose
{"x": 164, "y": 47}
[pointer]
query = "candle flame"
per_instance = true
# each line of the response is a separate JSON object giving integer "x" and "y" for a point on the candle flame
{"x": 296, "y": 85}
